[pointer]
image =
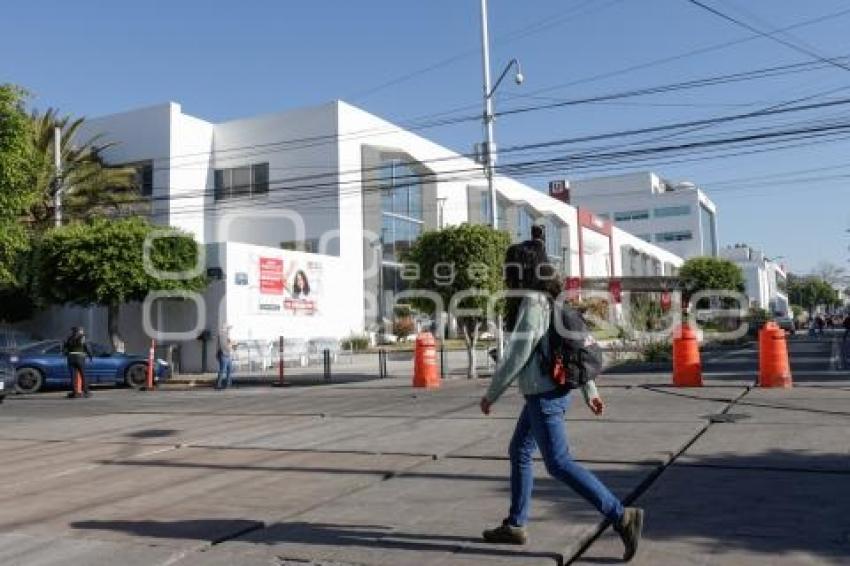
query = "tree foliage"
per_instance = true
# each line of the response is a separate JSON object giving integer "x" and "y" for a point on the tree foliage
{"x": 710, "y": 274}
{"x": 90, "y": 186}
{"x": 460, "y": 259}
{"x": 811, "y": 292}
{"x": 101, "y": 263}
{"x": 18, "y": 166}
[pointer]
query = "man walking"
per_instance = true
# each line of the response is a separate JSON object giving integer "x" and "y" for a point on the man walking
{"x": 225, "y": 358}
{"x": 76, "y": 350}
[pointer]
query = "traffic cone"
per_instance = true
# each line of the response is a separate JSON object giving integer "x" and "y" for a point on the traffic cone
{"x": 774, "y": 368}
{"x": 425, "y": 367}
{"x": 687, "y": 367}
{"x": 78, "y": 383}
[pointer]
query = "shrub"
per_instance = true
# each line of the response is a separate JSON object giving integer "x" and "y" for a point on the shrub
{"x": 660, "y": 351}
{"x": 404, "y": 327}
{"x": 355, "y": 343}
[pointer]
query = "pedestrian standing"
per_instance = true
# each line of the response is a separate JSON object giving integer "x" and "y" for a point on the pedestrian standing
{"x": 76, "y": 350}
{"x": 820, "y": 323}
{"x": 224, "y": 354}
{"x": 541, "y": 422}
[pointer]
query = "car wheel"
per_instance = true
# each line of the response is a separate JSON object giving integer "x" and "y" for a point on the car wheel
{"x": 29, "y": 380}
{"x": 136, "y": 376}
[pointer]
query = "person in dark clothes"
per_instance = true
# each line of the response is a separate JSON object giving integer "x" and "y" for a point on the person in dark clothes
{"x": 76, "y": 351}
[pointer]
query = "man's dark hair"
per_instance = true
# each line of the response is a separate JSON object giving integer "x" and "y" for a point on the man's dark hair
{"x": 527, "y": 268}
{"x": 538, "y": 232}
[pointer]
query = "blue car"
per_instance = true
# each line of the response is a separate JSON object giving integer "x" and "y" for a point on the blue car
{"x": 7, "y": 374}
{"x": 42, "y": 366}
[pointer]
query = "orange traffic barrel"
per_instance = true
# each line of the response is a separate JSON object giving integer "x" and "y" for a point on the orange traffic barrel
{"x": 425, "y": 367}
{"x": 687, "y": 367}
{"x": 774, "y": 368}
{"x": 78, "y": 383}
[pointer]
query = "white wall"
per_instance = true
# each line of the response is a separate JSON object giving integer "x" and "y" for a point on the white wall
{"x": 190, "y": 174}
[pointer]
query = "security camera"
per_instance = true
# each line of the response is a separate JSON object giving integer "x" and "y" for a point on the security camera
{"x": 519, "y": 78}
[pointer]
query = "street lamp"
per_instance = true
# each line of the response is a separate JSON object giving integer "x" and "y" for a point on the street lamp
{"x": 488, "y": 151}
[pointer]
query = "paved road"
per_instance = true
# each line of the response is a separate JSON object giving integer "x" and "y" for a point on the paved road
{"x": 375, "y": 473}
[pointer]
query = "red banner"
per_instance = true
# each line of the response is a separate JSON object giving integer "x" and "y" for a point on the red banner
{"x": 271, "y": 276}
{"x": 666, "y": 301}
{"x": 615, "y": 287}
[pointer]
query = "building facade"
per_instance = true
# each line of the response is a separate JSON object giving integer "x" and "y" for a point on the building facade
{"x": 327, "y": 199}
{"x": 678, "y": 217}
{"x": 765, "y": 280}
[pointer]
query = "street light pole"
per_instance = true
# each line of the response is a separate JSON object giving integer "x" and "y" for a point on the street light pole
{"x": 57, "y": 157}
{"x": 489, "y": 149}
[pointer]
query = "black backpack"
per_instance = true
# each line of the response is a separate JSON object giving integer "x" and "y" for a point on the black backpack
{"x": 574, "y": 356}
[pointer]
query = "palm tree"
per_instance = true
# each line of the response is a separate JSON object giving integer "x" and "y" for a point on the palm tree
{"x": 90, "y": 186}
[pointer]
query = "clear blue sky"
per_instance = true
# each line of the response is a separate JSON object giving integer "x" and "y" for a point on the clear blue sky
{"x": 230, "y": 59}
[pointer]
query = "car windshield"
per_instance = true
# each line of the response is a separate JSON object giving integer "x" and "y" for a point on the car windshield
{"x": 43, "y": 347}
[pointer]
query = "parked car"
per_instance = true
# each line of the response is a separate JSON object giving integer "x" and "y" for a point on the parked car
{"x": 42, "y": 365}
{"x": 11, "y": 339}
{"x": 786, "y": 323}
{"x": 7, "y": 374}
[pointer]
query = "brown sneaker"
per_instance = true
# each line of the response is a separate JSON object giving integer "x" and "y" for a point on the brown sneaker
{"x": 506, "y": 534}
{"x": 629, "y": 528}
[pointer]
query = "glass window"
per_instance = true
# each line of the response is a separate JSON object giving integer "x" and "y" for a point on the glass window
{"x": 629, "y": 215}
{"x": 222, "y": 182}
{"x": 261, "y": 178}
{"x": 241, "y": 181}
{"x": 146, "y": 178}
{"x": 674, "y": 236}
{"x": 553, "y": 239}
{"x": 665, "y": 211}
{"x": 401, "y": 208}
{"x": 708, "y": 231}
{"x": 604, "y": 216}
{"x": 524, "y": 222}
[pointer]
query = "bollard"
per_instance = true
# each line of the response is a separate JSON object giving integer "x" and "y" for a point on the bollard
{"x": 382, "y": 366}
{"x": 442, "y": 360}
{"x": 326, "y": 358}
{"x": 687, "y": 368}
{"x": 425, "y": 362}
{"x": 774, "y": 369}
{"x": 151, "y": 354}
{"x": 281, "y": 378}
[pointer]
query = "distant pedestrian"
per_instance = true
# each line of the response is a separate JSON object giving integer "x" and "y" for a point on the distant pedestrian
{"x": 541, "y": 422}
{"x": 76, "y": 350}
{"x": 224, "y": 354}
{"x": 820, "y": 323}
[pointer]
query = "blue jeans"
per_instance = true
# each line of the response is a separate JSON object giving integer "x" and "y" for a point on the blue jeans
{"x": 541, "y": 424}
{"x": 225, "y": 372}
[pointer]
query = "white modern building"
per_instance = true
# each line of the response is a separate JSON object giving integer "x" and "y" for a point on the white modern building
{"x": 678, "y": 217}
{"x": 304, "y": 215}
{"x": 766, "y": 280}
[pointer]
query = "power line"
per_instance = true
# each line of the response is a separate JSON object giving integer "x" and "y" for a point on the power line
{"x": 772, "y": 36}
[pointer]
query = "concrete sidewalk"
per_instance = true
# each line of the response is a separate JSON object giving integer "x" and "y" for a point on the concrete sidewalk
{"x": 375, "y": 473}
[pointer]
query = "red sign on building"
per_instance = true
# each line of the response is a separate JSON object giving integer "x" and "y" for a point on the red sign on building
{"x": 271, "y": 276}
{"x": 560, "y": 190}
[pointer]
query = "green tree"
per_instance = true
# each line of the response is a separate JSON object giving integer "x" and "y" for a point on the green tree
{"x": 811, "y": 292}
{"x": 90, "y": 187}
{"x": 101, "y": 263}
{"x": 455, "y": 260}
{"x": 710, "y": 274}
{"x": 18, "y": 167}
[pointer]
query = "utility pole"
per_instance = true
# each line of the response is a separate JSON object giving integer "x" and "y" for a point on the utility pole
{"x": 488, "y": 152}
{"x": 57, "y": 156}
{"x": 489, "y": 146}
